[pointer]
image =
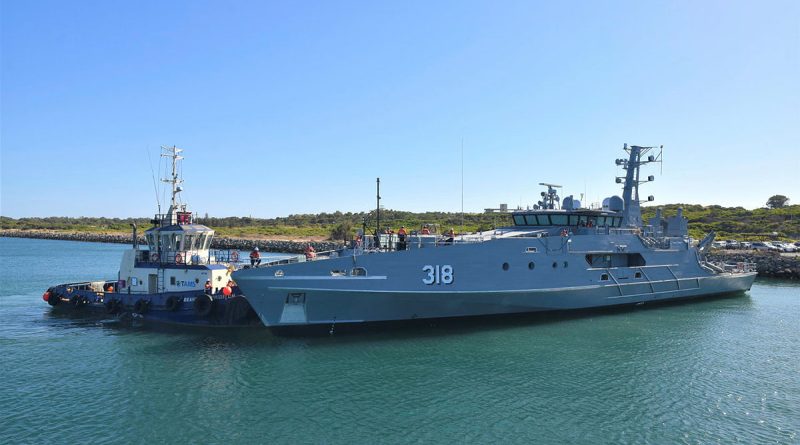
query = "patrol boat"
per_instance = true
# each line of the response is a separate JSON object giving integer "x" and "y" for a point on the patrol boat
{"x": 175, "y": 278}
{"x": 556, "y": 256}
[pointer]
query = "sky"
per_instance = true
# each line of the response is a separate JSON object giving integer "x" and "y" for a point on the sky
{"x": 297, "y": 107}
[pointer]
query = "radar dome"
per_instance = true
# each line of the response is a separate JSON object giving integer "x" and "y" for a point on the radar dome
{"x": 570, "y": 203}
{"x": 615, "y": 204}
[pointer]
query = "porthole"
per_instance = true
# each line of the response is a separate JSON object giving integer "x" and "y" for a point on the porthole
{"x": 278, "y": 273}
{"x": 531, "y": 265}
{"x": 555, "y": 264}
{"x": 505, "y": 266}
{"x": 637, "y": 275}
{"x": 566, "y": 264}
{"x": 604, "y": 277}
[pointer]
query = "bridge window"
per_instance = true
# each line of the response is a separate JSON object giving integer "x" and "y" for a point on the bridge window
{"x": 530, "y": 220}
{"x": 573, "y": 220}
{"x": 601, "y": 220}
{"x": 559, "y": 220}
{"x": 544, "y": 220}
{"x": 519, "y": 220}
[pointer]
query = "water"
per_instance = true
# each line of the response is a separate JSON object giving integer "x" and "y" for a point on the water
{"x": 718, "y": 371}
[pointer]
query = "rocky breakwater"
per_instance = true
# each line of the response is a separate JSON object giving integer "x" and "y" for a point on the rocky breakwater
{"x": 768, "y": 264}
{"x": 274, "y": 245}
{"x": 218, "y": 243}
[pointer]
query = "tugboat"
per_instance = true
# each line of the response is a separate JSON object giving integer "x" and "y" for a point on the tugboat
{"x": 175, "y": 278}
{"x": 556, "y": 256}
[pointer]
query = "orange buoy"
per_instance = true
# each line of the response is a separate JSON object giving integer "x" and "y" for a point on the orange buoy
{"x": 46, "y": 296}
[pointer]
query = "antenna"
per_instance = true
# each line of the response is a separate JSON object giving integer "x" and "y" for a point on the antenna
{"x": 172, "y": 153}
{"x": 153, "y": 174}
{"x": 462, "y": 184}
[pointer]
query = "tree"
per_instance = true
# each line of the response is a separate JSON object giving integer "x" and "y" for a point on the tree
{"x": 777, "y": 201}
{"x": 342, "y": 231}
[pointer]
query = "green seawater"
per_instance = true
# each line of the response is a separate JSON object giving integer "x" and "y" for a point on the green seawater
{"x": 725, "y": 370}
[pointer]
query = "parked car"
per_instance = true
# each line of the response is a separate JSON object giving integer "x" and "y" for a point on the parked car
{"x": 745, "y": 245}
{"x": 758, "y": 245}
{"x": 786, "y": 247}
{"x": 731, "y": 244}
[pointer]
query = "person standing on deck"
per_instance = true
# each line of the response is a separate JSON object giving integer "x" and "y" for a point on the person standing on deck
{"x": 255, "y": 257}
{"x": 310, "y": 252}
{"x": 401, "y": 238}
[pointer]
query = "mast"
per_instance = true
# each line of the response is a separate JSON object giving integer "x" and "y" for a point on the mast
{"x": 632, "y": 214}
{"x": 378, "y": 211}
{"x": 172, "y": 153}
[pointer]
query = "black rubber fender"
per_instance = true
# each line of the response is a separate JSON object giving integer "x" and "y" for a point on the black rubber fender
{"x": 203, "y": 305}
{"x": 113, "y": 306}
{"x": 78, "y": 301}
{"x": 173, "y": 303}
{"x": 141, "y": 306}
{"x": 238, "y": 311}
{"x": 55, "y": 299}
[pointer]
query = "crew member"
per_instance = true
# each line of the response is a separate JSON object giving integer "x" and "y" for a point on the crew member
{"x": 110, "y": 288}
{"x": 310, "y": 252}
{"x": 451, "y": 236}
{"x": 426, "y": 230}
{"x": 208, "y": 287}
{"x": 401, "y": 238}
{"x": 255, "y": 257}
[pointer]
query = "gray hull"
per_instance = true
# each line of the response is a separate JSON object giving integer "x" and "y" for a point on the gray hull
{"x": 308, "y": 293}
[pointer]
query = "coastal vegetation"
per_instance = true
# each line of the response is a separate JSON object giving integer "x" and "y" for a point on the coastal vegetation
{"x": 781, "y": 222}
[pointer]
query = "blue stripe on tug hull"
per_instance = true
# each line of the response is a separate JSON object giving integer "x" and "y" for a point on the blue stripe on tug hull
{"x": 324, "y": 306}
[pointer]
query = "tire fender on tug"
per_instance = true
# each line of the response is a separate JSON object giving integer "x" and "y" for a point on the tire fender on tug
{"x": 173, "y": 303}
{"x": 141, "y": 306}
{"x": 203, "y": 305}
{"x": 113, "y": 306}
{"x": 78, "y": 301}
{"x": 54, "y": 299}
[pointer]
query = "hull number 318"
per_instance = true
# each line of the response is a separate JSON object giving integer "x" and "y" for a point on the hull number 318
{"x": 438, "y": 274}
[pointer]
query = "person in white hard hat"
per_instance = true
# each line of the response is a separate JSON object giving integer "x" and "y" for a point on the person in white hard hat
{"x": 255, "y": 257}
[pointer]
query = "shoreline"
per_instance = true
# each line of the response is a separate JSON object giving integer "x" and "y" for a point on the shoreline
{"x": 277, "y": 245}
{"x": 768, "y": 264}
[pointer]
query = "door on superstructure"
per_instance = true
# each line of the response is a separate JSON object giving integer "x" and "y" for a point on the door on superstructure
{"x": 152, "y": 283}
